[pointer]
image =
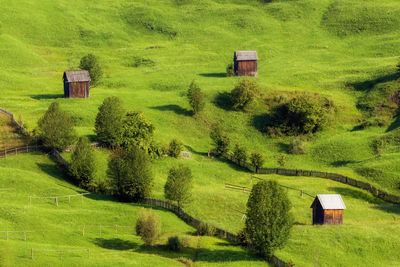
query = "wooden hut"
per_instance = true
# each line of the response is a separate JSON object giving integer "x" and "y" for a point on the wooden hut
{"x": 245, "y": 63}
{"x": 76, "y": 84}
{"x": 328, "y": 209}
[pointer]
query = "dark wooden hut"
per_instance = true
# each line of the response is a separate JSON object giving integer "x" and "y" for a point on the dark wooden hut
{"x": 328, "y": 209}
{"x": 76, "y": 84}
{"x": 245, "y": 63}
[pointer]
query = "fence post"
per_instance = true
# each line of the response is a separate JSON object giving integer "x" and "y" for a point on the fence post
{"x": 32, "y": 253}
{"x": 83, "y": 230}
{"x": 301, "y": 193}
{"x": 27, "y": 148}
{"x": 16, "y": 151}
{"x": 56, "y": 198}
{"x": 88, "y": 253}
{"x": 7, "y": 235}
{"x": 5, "y": 153}
{"x": 25, "y": 235}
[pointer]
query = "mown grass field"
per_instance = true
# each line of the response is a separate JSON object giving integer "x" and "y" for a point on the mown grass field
{"x": 344, "y": 50}
{"x": 60, "y": 228}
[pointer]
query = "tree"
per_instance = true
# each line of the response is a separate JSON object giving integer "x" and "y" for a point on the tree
{"x": 281, "y": 159}
{"x": 220, "y": 140}
{"x": 137, "y": 131}
{"x": 195, "y": 97}
{"x": 256, "y": 160}
{"x": 239, "y": 155}
{"x": 130, "y": 172}
{"x": 175, "y": 148}
{"x": 179, "y": 184}
{"x": 268, "y": 221}
{"x": 109, "y": 121}
{"x": 91, "y": 63}
{"x": 243, "y": 94}
{"x": 56, "y": 128}
{"x": 82, "y": 166}
{"x": 148, "y": 226}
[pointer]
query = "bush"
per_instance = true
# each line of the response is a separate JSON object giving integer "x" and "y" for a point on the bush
{"x": 297, "y": 147}
{"x": 303, "y": 114}
{"x": 230, "y": 70}
{"x": 206, "y": 229}
{"x": 82, "y": 166}
{"x": 137, "y": 131}
{"x": 256, "y": 160}
{"x": 175, "y": 148}
{"x": 281, "y": 159}
{"x": 148, "y": 226}
{"x": 268, "y": 221}
{"x": 195, "y": 97}
{"x": 220, "y": 140}
{"x": 130, "y": 172}
{"x": 372, "y": 122}
{"x": 56, "y": 129}
{"x": 91, "y": 63}
{"x": 109, "y": 121}
{"x": 179, "y": 184}
{"x": 243, "y": 237}
{"x": 174, "y": 244}
{"x": 239, "y": 155}
{"x": 243, "y": 94}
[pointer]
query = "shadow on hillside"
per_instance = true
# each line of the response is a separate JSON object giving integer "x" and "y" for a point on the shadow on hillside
{"x": 115, "y": 243}
{"x": 223, "y": 100}
{"x": 46, "y": 96}
{"x": 53, "y": 171}
{"x": 175, "y": 108}
{"x": 283, "y": 148}
{"x": 353, "y": 193}
{"x": 341, "y": 163}
{"x": 388, "y": 207}
{"x": 191, "y": 150}
{"x": 394, "y": 125}
{"x": 214, "y": 75}
{"x": 233, "y": 165}
{"x": 367, "y": 85}
{"x": 260, "y": 121}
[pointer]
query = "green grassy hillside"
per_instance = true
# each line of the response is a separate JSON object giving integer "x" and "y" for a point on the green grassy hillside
{"x": 60, "y": 228}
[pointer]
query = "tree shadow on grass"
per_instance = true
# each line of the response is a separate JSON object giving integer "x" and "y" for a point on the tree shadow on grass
{"x": 367, "y": 85}
{"x": 223, "y": 100}
{"x": 357, "y": 194}
{"x": 260, "y": 121}
{"x": 341, "y": 163}
{"x": 175, "y": 108}
{"x": 214, "y": 75}
{"x": 394, "y": 125}
{"x": 115, "y": 243}
{"x": 191, "y": 150}
{"x": 47, "y": 96}
{"x": 54, "y": 171}
{"x": 388, "y": 207}
{"x": 233, "y": 165}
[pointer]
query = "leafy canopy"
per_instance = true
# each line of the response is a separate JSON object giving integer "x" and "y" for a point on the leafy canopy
{"x": 195, "y": 97}
{"x": 220, "y": 140}
{"x": 91, "y": 63}
{"x": 137, "y": 131}
{"x": 243, "y": 94}
{"x": 179, "y": 184}
{"x": 82, "y": 166}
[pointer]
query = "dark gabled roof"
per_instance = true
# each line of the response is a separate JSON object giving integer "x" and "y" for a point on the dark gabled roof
{"x": 330, "y": 202}
{"x": 77, "y": 76}
{"x": 246, "y": 55}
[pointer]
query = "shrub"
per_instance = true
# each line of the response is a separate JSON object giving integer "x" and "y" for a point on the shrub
{"x": 91, "y": 63}
{"x": 130, "y": 172}
{"x": 256, "y": 160}
{"x": 220, "y": 140}
{"x": 243, "y": 94}
{"x": 372, "y": 122}
{"x": 175, "y": 148}
{"x": 186, "y": 261}
{"x": 297, "y": 147}
{"x": 148, "y": 226}
{"x": 206, "y": 229}
{"x": 179, "y": 184}
{"x": 186, "y": 241}
{"x": 303, "y": 114}
{"x": 239, "y": 155}
{"x": 137, "y": 131}
{"x": 174, "y": 244}
{"x": 195, "y": 97}
{"x": 56, "y": 129}
{"x": 109, "y": 121}
{"x": 82, "y": 166}
{"x": 268, "y": 221}
{"x": 230, "y": 70}
{"x": 281, "y": 159}
{"x": 243, "y": 237}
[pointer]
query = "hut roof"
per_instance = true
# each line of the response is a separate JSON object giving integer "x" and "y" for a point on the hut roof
{"x": 246, "y": 55}
{"x": 330, "y": 202}
{"x": 77, "y": 76}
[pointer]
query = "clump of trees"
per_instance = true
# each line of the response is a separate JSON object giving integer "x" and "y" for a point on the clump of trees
{"x": 195, "y": 98}
{"x": 179, "y": 185}
{"x": 301, "y": 115}
{"x": 148, "y": 226}
{"x": 268, "y": 221}
{"x": 220, "y": 140}
{"x": 239, "y": 155}
{"x": 130, "y": 171}
{"x": 82, "y": 167}
{"x": 56, "y": 128}
{"x": 91, "y": 63}
{"x": 244, "y": 94}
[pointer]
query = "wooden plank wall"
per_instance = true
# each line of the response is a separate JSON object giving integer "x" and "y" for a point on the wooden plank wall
{"x": 247, "y": 68}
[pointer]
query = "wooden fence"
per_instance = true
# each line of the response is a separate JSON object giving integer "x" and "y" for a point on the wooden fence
{"x": 7, "y": 233}
{"x": 327, "y": 175}
{"x": 19, "y": 150}
{"x": 16, "y": 124}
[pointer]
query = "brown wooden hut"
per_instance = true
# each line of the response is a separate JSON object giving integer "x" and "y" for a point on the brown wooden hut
{"x": 76, "y": 84}
{"x": 245, "y": 63}
{"x": 328, "y": 209}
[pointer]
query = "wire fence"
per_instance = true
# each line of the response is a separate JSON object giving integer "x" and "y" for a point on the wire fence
{"x": 8, "y": 232}
{"x": 56, "y": 198}
{"x": 101, "y": 227}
